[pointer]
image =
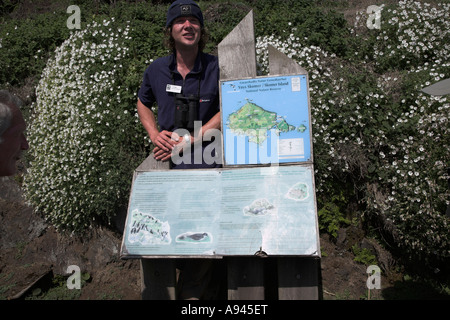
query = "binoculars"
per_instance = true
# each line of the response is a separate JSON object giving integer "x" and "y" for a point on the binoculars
{"x": 186, "y": 111}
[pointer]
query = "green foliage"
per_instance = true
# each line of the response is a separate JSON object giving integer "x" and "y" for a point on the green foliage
{"x": 57, "y": 289}
{"x": 417, "y": 288}
{"x": 411, "y": 35}
{"x": 86, "y": 136}
{"x": 221, "y": 19}
{"x": 306, "y": 20}
{"x": 26, "y": 44}
{"x": 331, "y": 215}
{"x": 7, "y": 6}
{"x": 273, "y": 17}
{"x": 364, "y": 255}
{"x": 373, "y": 126}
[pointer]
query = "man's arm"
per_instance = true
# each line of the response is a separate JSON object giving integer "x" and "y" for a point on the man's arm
{"x": 213, "y": 123}
{"x": 162, "y": 140}
{"x": 197, "y": 136}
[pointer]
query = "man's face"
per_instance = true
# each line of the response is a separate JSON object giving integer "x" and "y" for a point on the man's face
{"x": 13, "y": 142}
{"x": 186, "y": 31}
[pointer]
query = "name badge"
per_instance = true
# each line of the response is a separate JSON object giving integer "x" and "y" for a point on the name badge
{"x": 173, "y": 88}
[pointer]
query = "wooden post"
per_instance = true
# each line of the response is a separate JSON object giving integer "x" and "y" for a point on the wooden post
{"x": 158, "y": 275}
{"x": 158, "y": 279}
{"x": 151, "y": 164}
{"x": 237, "y": 54}
{"x": 245, "y": 278}
{"x": 280, "y": 64}
{"x": 298, "y": 278}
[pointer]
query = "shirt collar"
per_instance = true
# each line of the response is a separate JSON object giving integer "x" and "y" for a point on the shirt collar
{"x": 198, "y": 66}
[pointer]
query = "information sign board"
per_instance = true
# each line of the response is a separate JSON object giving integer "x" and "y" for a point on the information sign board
{"x": 266, "y": 120}
{"x": 220, "y": 212}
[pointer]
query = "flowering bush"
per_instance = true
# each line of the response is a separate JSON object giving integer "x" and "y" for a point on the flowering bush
{"x": 373, "y": 129}
{"x": 412, "y": 193}
{"x": 85, "y": 138}
{"x": 411, "y": 34}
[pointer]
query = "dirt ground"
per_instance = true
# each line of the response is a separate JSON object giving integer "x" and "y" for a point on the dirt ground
{"x": 34, "y": 259}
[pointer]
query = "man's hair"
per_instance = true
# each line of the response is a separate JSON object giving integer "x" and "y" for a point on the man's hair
{"x": 169, "y": 42}
{"x": 6, "y": 100}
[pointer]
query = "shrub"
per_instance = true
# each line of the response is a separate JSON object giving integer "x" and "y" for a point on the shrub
{"x": 364, "y": 255}
{"x": 25, "y": 45}
{"x": 332, "y": 216}
{"x": 412, "y": 33}
{"x": 412, "y": 192}
{"x": 373, "y": 126}
{"x": 85, "y": 138}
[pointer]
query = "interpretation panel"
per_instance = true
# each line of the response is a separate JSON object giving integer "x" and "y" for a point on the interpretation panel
{"x": 239, "y": 211}
{"x": 266, "y": 120}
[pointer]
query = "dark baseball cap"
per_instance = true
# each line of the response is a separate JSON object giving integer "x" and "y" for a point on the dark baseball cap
{"x": 183, "y": 8}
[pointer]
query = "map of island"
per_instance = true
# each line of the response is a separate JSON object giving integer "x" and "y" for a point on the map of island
{"x": 298, "y": 192}
{"x": 266, "y": 120}
{"x": 146, "y": 229}
{"x": 259, "y": 207}
{"x": 254, "y": 207}
{"x": 255, "y": 122}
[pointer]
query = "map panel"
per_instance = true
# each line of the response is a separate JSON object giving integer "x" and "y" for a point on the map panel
{"x": 266, "y": 120}
{"x": 222, "y": 212}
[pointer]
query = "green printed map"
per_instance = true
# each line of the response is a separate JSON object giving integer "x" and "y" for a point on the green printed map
{"x": 253, "y": 121}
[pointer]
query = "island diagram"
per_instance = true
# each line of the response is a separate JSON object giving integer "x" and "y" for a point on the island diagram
{"x": 298, "y": 192}
{"x": 254, "y": 121}
{"x": 146, "y": 229}
{"x": 259, "y": 207}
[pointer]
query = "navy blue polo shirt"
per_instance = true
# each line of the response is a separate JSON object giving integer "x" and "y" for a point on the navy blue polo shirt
{"x": 203, "y": 80}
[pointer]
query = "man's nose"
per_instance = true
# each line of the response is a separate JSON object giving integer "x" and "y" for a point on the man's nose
{"x": 187, "y": 24}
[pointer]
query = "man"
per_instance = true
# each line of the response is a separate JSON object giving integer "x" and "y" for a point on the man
{"x": 188, "y": 75}
{"x": 12, "y": 138}
{"x": 183, "y": 83}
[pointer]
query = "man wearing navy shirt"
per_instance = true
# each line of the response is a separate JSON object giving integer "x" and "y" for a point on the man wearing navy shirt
{"x": 187, "y": 75}
{"x": 184, "y": 86}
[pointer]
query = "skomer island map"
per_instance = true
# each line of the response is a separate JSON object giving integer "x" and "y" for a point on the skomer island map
{"x": 253, "y": 121}
{"x": 266, "y": 120}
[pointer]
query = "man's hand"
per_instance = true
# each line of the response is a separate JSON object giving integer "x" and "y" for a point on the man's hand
{"x": 164, "y": 144}
{"x": 165, "y": 140}
{"x": 169, "y": 144}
